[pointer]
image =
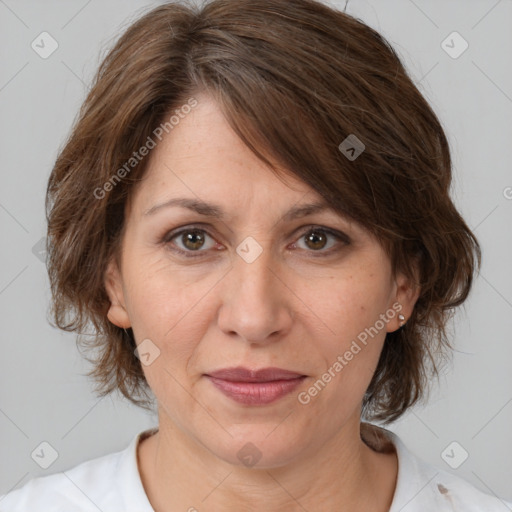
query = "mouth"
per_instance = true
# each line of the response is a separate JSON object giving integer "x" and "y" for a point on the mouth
{"x": 255, "y": 387}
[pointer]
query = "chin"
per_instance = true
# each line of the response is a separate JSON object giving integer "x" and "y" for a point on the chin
{"x": 258, "y": 446}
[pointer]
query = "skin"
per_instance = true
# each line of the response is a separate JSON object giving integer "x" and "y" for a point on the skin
{"x": 298, "y": 306}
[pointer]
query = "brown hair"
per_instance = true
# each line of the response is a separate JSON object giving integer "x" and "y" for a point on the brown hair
{"x": 294, "y": 79}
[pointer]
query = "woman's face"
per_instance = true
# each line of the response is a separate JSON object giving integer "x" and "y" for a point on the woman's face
{"x": 244, "y": 283}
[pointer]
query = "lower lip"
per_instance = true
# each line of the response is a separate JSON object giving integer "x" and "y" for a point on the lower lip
{"x": 256, "y": 393}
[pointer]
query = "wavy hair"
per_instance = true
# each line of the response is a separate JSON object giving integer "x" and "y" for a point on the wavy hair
{"x": 294, "y": 79}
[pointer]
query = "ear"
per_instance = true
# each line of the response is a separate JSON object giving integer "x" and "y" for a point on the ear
{"x": 117, "y": 313}
{"x": 407, "y": 292}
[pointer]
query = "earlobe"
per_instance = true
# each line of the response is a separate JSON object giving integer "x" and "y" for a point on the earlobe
{"x": 407, "y": 293}
{"x": 117, "y": 313}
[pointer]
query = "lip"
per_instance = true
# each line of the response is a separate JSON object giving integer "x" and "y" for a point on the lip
{"x": 255, "y": 387}
{"x": 241, "y": 374}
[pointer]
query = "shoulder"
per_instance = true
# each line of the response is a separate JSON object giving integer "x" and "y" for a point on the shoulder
{"x": 79, "y": 488}
{"x": 459, "y": 494}
{"x": 421, "y": 486}
{"x": 107, "y": 481}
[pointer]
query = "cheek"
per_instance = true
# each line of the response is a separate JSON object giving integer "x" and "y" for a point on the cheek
{"x": 166, "y": 308}
{"x": 162, "y": 297}
{"x": 350, "y": 303}
{"x": 350, "y": 311}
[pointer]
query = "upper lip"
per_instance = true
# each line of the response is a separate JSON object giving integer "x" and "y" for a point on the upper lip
{"x": 241, "y": 374}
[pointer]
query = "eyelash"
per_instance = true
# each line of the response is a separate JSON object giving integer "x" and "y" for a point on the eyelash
{"x": 168, "y": 237}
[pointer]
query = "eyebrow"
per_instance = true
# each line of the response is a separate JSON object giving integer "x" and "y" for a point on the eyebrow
{"x": 215, "y": 211}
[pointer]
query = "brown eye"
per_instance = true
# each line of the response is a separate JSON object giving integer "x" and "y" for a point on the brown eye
{"x": 316, "y": 240}
{"x": 189, "y": 242}
{"x": 323, "y": 241}
{"x": 193, "y": 240}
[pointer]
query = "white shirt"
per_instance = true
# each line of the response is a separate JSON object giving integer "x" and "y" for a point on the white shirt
{"x": 112, "y": 483}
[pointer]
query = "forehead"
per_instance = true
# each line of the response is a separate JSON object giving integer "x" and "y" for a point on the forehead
{"x": 203, "y": 157}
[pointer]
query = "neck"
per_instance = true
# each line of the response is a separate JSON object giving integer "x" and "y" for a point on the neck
{"x": 178, "y": 473}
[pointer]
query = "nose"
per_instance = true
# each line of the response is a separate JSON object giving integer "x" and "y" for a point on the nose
{"x": 256, "y": 303}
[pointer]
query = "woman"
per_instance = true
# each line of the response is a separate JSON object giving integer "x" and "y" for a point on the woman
{"x": 253, "y": 212}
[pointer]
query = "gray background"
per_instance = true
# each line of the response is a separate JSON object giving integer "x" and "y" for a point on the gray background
{"x": 44, "y": 394}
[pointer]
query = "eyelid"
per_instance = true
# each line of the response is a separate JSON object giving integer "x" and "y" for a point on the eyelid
{"x": 298, "y": 233}
{"x": 339, "y": 235}
{"x": 174, "y": 233}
